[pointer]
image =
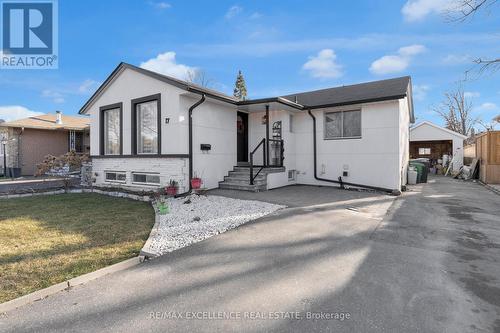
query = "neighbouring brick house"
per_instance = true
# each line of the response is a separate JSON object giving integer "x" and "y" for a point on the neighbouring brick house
{"x": 31, "y": 139}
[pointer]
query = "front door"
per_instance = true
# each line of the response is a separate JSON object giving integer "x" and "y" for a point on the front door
{"x": 242, "y": 136}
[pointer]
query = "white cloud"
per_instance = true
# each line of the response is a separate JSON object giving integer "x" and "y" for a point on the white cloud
{"x": 160, "y": 5}
{"x": 163, "y": 5}
{"x": 417, "y": 10}
{"x": 457, "y": 59}
{"x": 165, "y": 63}
{"x": 324, "y": 65}
{"x": 487, "y": 106}
{"x": 87, "y": 86}
{"x": 471, "y": 94}
{"x": 233, "y": 11}
{"x": 255, "y": 16}
{"x": 14, "y": 112}
{"x": 56, "y": 96}
{"x": 411, "y": 50}
{"x": 420, "y": 92}
{"x": 396, "y": 63}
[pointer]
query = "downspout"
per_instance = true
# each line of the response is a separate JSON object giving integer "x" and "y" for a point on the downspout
{"x": 190, "y": 125}
{"x": 339, "y": 181}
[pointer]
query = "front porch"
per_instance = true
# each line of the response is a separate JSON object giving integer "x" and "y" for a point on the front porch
{"x": 261, "y": 136}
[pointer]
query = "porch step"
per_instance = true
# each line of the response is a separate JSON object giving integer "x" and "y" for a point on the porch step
{"x": 242, "y": 187}
{"x": 246, "y": 175}
{"x": 265, "y": 170}
{"x": 239, "y": 178}
{"x": 244, "y": 181}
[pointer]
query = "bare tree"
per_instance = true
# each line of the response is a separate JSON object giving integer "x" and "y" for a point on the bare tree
{"x": 456, "y": 111}
{"x": 460, "y": 11}
{"x": 487, "y": 64}
{"x": 199, "y": 77}
{"x": 490, "y": 126}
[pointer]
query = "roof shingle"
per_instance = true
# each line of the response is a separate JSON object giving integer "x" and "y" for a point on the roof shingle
{"x": 356, "y": 93}
{"x": 48, "y": 122}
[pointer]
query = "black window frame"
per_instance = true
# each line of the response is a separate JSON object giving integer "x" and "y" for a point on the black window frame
{"x": 106, "y": 172}
{"x": 102, "y": 110}
{"x": 325, "y": 113}
{"x": 133, "y": 127}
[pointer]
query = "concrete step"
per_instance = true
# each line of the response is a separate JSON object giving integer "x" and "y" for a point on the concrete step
{"x": 255, "y": 169}
{"x": 234, "y": 186}
{"x": 244, "y": 181}
{"x": 242, "y": 174}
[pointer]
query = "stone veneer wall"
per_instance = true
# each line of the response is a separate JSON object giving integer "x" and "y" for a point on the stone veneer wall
{"x": 12, "y": 146}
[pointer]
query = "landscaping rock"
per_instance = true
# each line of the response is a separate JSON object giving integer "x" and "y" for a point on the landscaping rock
{"x": 205, "y": 217}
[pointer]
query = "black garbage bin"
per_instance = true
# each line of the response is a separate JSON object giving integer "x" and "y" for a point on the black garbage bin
{"x": 13, "y": 172}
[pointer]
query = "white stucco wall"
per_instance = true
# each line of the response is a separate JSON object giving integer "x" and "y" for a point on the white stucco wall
{"x": 213, "y": 123}
{"x": 372, "y": 160}
{"x": 404, "y": 139}
{"x": 426, "y": 132}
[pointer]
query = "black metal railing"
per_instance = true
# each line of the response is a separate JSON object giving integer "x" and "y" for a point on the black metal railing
{"x": 277, "y": 149}
{"x": 261, "y": 143}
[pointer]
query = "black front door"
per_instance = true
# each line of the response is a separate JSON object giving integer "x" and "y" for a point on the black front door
{"x": 242, "y": 134}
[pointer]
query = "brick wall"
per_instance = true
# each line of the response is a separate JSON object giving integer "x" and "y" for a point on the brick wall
{"x": 167, "y": 168}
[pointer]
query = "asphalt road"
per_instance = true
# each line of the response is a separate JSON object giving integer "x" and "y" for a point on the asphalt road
{"x": 430, "y": 263}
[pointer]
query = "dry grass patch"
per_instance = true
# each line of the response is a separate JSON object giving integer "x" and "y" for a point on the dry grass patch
{"x": 45, "y": 240}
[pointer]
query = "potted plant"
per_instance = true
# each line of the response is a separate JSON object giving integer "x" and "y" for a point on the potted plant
{"x": 172, "y": 188}
{"x": 162, "y": 207}
{"x": 196, "y": 182}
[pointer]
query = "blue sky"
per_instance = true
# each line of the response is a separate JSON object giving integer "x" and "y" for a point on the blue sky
{"x": 281, "y": 47}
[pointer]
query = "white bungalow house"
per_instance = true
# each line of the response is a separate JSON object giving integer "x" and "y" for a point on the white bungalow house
{"x": 148, "y": 129}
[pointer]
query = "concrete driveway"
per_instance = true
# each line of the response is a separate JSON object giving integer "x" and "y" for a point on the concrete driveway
{"x": 428, "y": 264}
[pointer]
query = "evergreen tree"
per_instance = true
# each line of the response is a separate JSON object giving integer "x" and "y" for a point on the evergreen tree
{"x": 240, "y": 88}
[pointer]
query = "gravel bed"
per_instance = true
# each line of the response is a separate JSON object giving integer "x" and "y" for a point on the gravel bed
{"x": 197, "y": 217}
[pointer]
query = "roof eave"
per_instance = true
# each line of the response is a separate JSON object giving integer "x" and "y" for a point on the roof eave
{"x": 172, "y": 81}
{"x": 279, "y": 100}
{"x": 354, "y": 102}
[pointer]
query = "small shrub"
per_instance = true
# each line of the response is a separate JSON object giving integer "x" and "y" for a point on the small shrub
{"x": 70, "y": 159}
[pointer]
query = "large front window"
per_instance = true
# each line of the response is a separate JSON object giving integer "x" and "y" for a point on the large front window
{"x": 146, "y": 130}
{"x": 147, "y": 127}
{"x": 343, "y": 124}
{"x": 112, "y": 131}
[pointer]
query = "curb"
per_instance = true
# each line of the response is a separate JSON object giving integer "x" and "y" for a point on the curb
{"x": 145, "y": 249}
{"x": 491, "y": 188}
{"x": 136, "y": 197}
{"x": 66, "y": 285}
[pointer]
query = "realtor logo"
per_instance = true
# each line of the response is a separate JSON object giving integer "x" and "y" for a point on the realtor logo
{"x": 29, "y": 34}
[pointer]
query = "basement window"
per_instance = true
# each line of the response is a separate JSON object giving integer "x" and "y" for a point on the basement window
{"x": 424, "y": 151}
{"x": 146, "y": 178}
{"x": 116, "y": 176}
{"x": 343, "y": 125}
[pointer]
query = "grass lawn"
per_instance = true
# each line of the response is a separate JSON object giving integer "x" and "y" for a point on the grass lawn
{"x": 45, "y": 240}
